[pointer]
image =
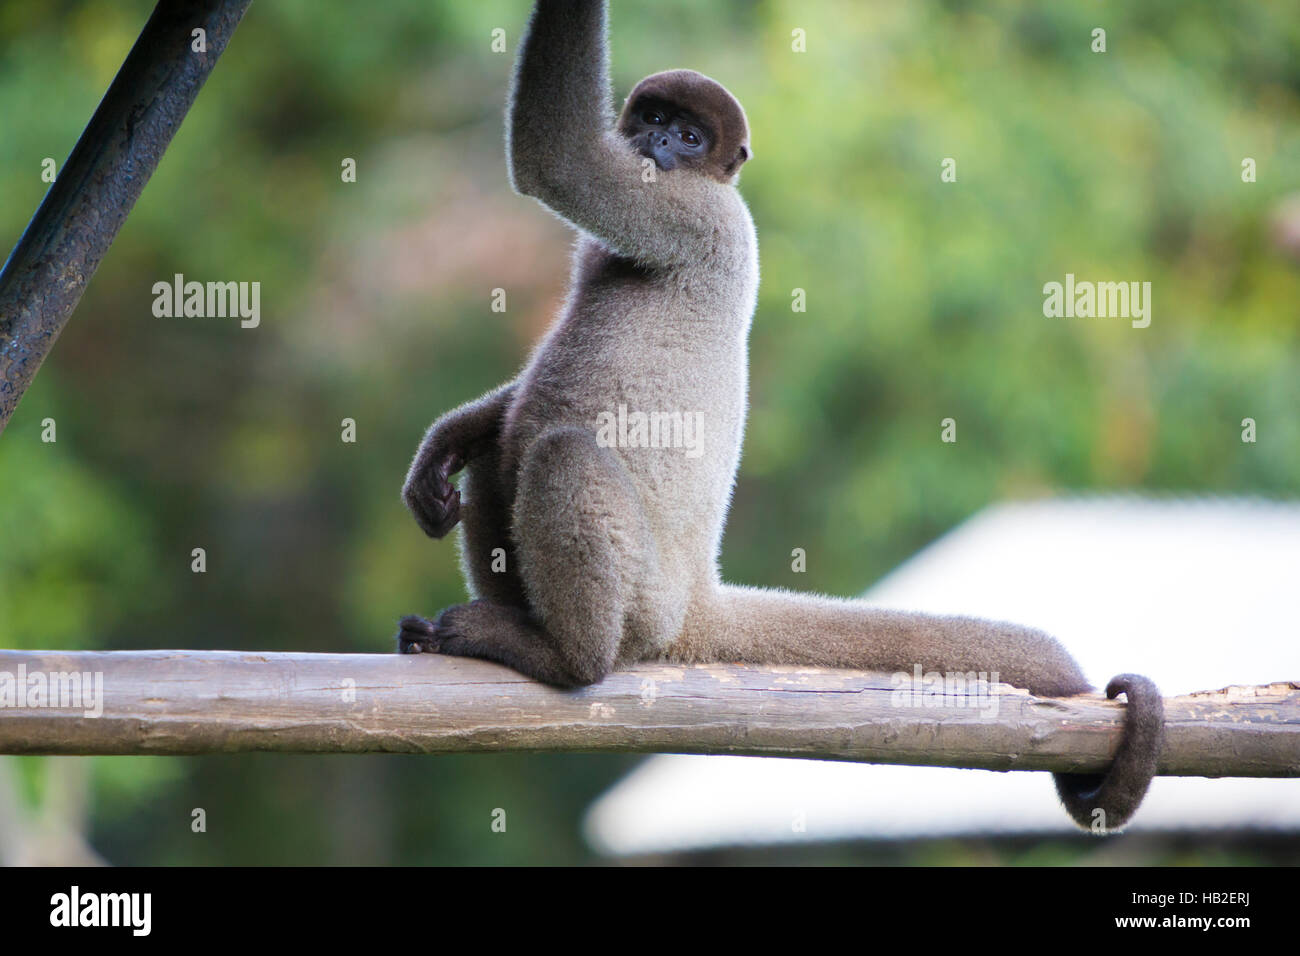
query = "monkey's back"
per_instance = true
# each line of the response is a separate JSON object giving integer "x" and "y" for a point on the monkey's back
{"x": 667, "y": 342}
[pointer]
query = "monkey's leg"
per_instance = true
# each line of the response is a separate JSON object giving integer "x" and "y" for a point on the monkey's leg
{"x": 487, "y": 553}
{"x": 584, "y": 546}
{"x": 492, "y": 632}
{"x": 589, "y": 562}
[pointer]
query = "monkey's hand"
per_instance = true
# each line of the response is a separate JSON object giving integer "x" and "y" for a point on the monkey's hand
{"x": 429, "y": 494}
{"x": 451, "y": 442}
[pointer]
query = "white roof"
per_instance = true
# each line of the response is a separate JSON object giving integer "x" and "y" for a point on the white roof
{"x": 1196, "y": 593}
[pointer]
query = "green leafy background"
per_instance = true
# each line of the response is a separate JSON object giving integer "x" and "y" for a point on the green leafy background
{"x": 924, "y": 301}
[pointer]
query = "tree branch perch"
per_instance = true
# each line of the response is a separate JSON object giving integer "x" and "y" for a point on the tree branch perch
{"x": 193, "y": 702}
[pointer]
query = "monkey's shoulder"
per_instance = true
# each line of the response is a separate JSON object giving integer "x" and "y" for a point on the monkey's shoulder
{"x": 730, "y": 259}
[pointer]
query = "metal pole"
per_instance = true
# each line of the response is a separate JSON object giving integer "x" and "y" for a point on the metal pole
{"x": 45, "y": 275}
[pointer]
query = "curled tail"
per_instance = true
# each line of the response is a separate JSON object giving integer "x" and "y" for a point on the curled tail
{"x": 762, "y": 626}
{"x": 1104, "y": 802}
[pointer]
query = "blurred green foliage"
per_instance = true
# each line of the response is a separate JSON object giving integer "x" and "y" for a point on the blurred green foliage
{"x": 924, "y": 302}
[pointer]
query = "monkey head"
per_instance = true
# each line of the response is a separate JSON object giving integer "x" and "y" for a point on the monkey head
{"x": 683, "y": 118}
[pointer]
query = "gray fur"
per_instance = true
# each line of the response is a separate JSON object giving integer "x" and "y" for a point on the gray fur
{"x": 612, "y": 552}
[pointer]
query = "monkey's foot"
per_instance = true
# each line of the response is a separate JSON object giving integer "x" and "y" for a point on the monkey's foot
{"x": 417, "y": 635}
{"x": 495, "y": 632}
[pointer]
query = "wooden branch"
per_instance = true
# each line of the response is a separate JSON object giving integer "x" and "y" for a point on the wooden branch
{"x": 191, "y": 702}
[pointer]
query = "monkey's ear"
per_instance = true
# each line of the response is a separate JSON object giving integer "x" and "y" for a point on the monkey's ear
{"x": 743, "y": 154}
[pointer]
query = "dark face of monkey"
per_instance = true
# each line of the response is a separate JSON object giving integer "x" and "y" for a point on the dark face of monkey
{"x": 668, "y": 135}
{"x": 683, "y": 118}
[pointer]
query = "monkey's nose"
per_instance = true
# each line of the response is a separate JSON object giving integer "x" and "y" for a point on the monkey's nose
{"x": 661, "y": 141}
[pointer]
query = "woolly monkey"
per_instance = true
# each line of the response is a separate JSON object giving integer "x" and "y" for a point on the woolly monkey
{"x": 610, "y": 532}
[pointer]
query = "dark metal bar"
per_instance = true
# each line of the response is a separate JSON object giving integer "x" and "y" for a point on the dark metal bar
{"x": 45, "y": 275}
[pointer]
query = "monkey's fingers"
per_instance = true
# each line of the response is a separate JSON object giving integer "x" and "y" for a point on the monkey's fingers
{"x": 436, "y": 508}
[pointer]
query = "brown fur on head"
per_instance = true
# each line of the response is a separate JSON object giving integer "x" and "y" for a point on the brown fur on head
{"x": 708, "y": 100}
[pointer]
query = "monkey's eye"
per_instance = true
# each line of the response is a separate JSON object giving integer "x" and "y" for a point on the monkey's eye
{"x": 653, "y": 117}
{"x": 690, "y": 138}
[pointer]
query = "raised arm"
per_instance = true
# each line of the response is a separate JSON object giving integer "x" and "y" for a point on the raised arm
{"x": 563, "y": 149}
{"x": 560, "y": 107}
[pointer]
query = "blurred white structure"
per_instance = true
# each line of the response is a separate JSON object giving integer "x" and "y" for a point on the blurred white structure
{"x": 1196, "y": 593}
